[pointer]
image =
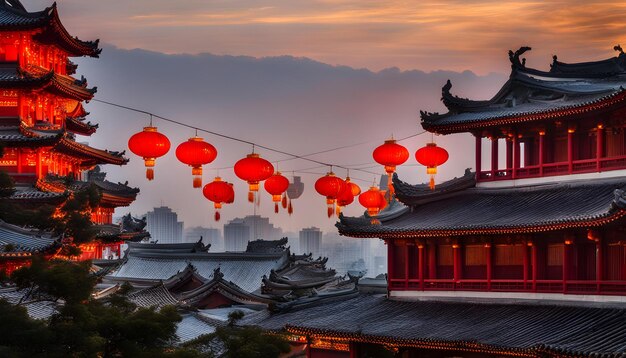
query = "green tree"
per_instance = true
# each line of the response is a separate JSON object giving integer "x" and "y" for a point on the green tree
{"x": 240, "y": 342}
{"x": 85, "y": 327}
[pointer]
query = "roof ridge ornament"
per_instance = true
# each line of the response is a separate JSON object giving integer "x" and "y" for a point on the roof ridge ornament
{"x": 514, "y": 57}
{"x": 618, "y": 48}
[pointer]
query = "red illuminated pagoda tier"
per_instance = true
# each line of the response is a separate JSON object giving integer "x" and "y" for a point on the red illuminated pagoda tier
{"x": 41, "y": 113}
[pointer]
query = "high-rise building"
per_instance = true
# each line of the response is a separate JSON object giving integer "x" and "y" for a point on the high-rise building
{"x": 163, "y": 226}
{"x": 310, "y": 240}
{"x": 209, "y": 235}
{"x": 236, "y": 235}
{"x": 261, "y": 228}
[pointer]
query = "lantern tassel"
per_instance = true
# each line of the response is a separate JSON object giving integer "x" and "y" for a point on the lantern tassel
{"x": 150, "y": 173}
{"x": 330, "y": 210}
{"x": 217, "y": 215}
{"x": 251, "y": 197}
{"x": 338, "y": 210}
{"x": 284, "y": 201}
{"x": 290, "y": 208}
{"x": 197, "y": 181}
{"x": 276, "y": 208}
{"x": 432, "y": 182}
{"x": 257, "y": 198}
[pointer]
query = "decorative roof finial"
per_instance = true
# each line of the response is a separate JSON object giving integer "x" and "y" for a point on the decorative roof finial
{"x": 618, "y": 48}
{"x": 514, "y": 57}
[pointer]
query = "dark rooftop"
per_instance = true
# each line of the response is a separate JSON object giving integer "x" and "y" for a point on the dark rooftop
{"x": 487, "y": 210}
{"x": 524, "y": 328}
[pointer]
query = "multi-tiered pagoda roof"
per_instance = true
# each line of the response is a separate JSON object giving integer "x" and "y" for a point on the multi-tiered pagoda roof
{"x": 532, "y": 95}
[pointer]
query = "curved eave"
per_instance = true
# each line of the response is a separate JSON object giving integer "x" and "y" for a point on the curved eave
{"x": 54, "y": 33}
{"x": 65, "y": 86}
{"x": 604, "y": 103}
{"x": 77, "y": 126}
{"x": 90, "y": 156}
{"x": 112, "y": 200}
{"x": 383, "y": 232}
{"x": 427, "y": 343}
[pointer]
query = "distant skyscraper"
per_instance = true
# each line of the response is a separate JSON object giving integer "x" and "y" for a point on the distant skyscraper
{"x": 209, "y": 236}
{"x": 236, "y": 235}
{"x": 310, "y": 240}
{"x": 261, "y": 228}
{"x": 163, "y": 226}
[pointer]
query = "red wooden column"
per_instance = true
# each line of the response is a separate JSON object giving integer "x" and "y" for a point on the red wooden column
{"x": 432, "y": 261}
{"x": 420, "y": 265}
{"x": 533, "y": 258}
{"x": 389, "y": 262}
{"x": 19, "y": 160}
{"x": 542, "y": 155}
{"x": 406, "y": 264}
{"x": 509, "y": 153}
{"x": 456, "y": 249}
{"x": 570, "y": 150}
{"x": 479, "y": 156}
{"x": 353, "y": 350}
{"x": 494, "y": 157}
{"x": 516, "y": 156}
{"x": 599, "y": 260}
{"x": 38, "y": 164}
{"x": 489, "y": 264}
{"x": 566, "y": 250}
{"x": 599, "y": 147}
{"x": 525, "y": 264}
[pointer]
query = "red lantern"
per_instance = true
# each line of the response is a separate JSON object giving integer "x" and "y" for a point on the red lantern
{"x": 374, "y": 201}
{"x": 431, "y": 156}
{"x": 390, "y": 155}
{"x": 329, "y": 186}
{"x": 253, "y": 169}
{"x": 219, "y": 192}
{"x": 277, "y": 185}
{"x": 150, "y": 145}
{"x": 355, "y": 189}
{"x": 196, "y": 152}
{"x": 345, "y": 196}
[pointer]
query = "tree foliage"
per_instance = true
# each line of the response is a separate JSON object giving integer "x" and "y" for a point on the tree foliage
{"x": 233, "y": 341}
{"x": 83, "y": 327}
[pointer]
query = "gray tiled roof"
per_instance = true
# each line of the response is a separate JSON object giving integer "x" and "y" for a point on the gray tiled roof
{"x": 24, "y": 240}
{"x": 156, "y": 296}
{"x": 35, "y": 309}
{"x": 192, "y": 327}
{"x": 10, "y": 18}
{"x": 245, "y": 271}
{"x": 464, "y": 324}
{"x": 512, "y": 208}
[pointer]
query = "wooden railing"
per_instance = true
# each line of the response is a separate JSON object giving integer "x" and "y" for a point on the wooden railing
{"x": 552, "y": 169}
{"x": 588, "y": 287}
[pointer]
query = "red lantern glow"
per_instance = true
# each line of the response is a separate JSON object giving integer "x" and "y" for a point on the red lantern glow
{"x": 329, "y": 186}
{"x": 219, "y": 192}
{"x": 253, "y": 169}
{"x": 196, "y": 152}
{"x": 345, "y": 196}
{"x": 276, "y": 185}
{"x": 149, "y": 144}
{"x": 431, "y": 156}
{"x": 354, "y": 188}
{"x": 390, "y": 154}
{"x": 374, "y": 201}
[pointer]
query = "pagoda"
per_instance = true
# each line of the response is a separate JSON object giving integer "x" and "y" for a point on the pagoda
{"x": 41, "y": 112}
{"x": 524, "y": 257}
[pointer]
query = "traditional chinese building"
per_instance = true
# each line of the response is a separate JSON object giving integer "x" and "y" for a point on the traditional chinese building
{"x": 41, "y": 112}
{"x": 524, "y": 257}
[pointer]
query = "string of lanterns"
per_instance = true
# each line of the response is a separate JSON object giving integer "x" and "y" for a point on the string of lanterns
{"x": 339, "y": 193}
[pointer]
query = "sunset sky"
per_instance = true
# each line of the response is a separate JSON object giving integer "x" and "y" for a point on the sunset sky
{"x": 426, "y": 35}
{"x": 305, "y": 76}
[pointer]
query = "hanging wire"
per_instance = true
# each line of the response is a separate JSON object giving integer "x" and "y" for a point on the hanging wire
{"x": 293, "y": 156}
